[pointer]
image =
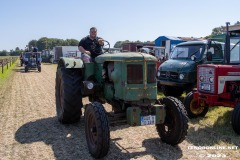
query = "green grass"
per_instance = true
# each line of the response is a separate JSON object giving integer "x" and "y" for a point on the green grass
{"x": 7, "y": 72}
{"x": 213, "y": 129}
{"x": 4, "y": 57}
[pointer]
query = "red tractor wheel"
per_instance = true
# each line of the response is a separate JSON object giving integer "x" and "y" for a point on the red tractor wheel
{"x": 193, "y": 109}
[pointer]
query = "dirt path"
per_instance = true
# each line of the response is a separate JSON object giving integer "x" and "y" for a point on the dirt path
{"x": 29, "y": 128}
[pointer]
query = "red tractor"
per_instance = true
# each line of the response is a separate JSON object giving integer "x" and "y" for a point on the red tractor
{"x": 219, "y": 85}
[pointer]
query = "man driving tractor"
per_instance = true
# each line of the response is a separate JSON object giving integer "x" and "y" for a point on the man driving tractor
{"x": 91, "y": 46}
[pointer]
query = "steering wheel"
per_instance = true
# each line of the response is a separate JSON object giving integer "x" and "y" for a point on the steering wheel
{"x": 106, "y": 46}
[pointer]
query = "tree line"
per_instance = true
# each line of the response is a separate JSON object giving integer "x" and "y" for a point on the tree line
{"x": 48, "y": 43}
{"x": 218, "y": 30}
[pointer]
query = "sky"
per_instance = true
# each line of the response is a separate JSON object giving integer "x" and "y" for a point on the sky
{"x": 24, "y": 20}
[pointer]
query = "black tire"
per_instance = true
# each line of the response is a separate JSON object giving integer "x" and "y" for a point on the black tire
{"x": 26, "y": 68}
{"x": 97, "y": 130}
{"x": 171, "y": 91}
{"x": 236, "y": 119}
{"x": 174, "y": 130}
{"x": 194, "y": 111}
{"x": 39, "y": 68}
{"x": 189, "y": 89}
{"x": 68, "y": 95}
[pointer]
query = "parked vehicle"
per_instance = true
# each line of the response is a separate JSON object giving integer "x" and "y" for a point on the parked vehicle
{"x": 65, "y": 51}
{"x": 127, "y": 81}
{"x": 219, "y": 85}
{"x": 179, "y": 73}
{"x": 158, "y": 52}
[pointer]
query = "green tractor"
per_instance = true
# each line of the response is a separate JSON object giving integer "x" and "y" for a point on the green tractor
{"x": 126, "y": 81}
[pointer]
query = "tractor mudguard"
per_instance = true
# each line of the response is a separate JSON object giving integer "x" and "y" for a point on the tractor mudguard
{"x": 72, "y": 62}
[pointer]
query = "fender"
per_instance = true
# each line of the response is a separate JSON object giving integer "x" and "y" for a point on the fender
{"x": 71, "y": 62}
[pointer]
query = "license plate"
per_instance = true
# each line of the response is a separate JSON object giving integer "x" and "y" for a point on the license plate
{"x": 205, "y": 87}
{"x": 148, "y": 120}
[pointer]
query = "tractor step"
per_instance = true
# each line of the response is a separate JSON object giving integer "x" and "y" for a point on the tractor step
{"x": 117, "y": 119}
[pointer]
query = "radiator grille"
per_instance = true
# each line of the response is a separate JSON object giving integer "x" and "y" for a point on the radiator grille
{"x": 204, "y": 75}
{"x": 169, "y": 75}
{"x": 134, "y": 74}
{"x": 151, "y": 73}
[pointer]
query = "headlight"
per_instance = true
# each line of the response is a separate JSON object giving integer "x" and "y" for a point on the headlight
{"x": 211, "y": 79}
{"x": 201, "y": 78}
{"x": 90, "y": 85}
{"x": 181, "y": 76}
{"x": 158, "y": 74}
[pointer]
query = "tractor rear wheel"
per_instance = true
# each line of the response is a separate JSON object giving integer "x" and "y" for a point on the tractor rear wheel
{"x": 97, "y": 129}
{"x": 68, "y": 95}
{"x": 193, "y": 109}
{"x": 174, "y": 129}
{"x": 236, "y": 119}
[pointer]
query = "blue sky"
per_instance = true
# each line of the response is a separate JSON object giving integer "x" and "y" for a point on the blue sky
{"x": 25, "y": 20}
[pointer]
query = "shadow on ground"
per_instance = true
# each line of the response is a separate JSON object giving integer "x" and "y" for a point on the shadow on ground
{"x": 22, "y": 70}
{"x": 68, "y": 142}
{"x": 209, "y": 135}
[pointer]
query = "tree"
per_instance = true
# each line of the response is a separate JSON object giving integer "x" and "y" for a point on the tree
{"x": 42, "y": 43}
{"x": 218, "y": 30}
{"x": 17, "y": 49}
{"x": 118, "y": 44}
{"x": 4, "y": 53}
{"x": 32, "y": 43}
{"x": 71, "y": 42}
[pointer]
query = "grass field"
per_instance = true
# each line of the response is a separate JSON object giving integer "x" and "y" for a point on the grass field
{"x": 3, "y": 57}
{"x": 7, "y": 72}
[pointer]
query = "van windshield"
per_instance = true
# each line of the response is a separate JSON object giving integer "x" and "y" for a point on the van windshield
{"x": 186, "y": 51}
{"x": 235, "y": 50}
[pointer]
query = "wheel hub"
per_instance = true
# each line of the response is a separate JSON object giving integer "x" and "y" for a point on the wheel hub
{"x": 196, "y": 108}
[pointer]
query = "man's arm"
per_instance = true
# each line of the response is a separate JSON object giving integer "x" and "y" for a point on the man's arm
{"x": 82, "y": 50}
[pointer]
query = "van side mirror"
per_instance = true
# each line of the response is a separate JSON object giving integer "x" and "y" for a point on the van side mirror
{"x": 209, "y": 56}
{"x": 193, "y": 58}
{"x": 209, "y": 43}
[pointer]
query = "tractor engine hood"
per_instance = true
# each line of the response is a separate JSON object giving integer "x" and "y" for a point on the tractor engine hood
{"x": 125, "y": 56}
{"x": 178, "y": 65}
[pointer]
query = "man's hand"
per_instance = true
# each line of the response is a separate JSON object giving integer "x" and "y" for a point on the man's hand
{"x": 100, "y": 41}
{"x": 87, "y": 52}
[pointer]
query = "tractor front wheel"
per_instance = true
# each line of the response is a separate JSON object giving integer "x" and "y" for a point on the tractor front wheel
{"x": 174, "y": 129}
{"x": 236, "y": 119}
{"x": 39, "y": 68}
{"x": 193, "y": 109}
{"x": 97, "y": 129}
{"x": 26, "y": 68}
